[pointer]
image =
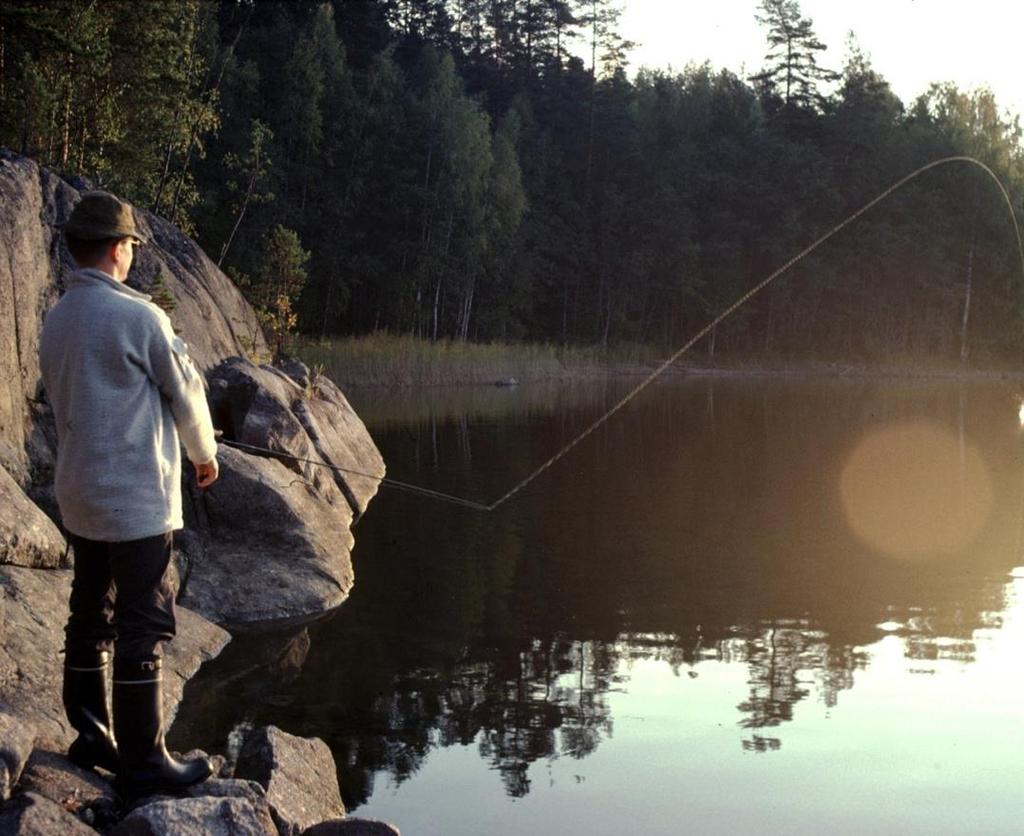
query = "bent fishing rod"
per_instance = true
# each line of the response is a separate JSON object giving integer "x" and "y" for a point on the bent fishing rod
{"x": 667, "y": 363}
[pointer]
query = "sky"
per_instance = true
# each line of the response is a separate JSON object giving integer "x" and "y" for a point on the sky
{"x": 912, "y": 43}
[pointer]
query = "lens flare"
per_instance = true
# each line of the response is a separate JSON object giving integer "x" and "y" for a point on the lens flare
{"x": 914, "y": 491}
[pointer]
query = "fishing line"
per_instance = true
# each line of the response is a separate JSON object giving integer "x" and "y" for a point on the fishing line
{"x": 663, "y": 367}
{"x": 385, "y": 481}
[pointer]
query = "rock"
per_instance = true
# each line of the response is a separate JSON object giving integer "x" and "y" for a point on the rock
{"x": 296, "y": 370}
{"x": 189, "y": 816}
{"x": 27, "y": 536}
{"x": 352, "y": 827}
{"x": 255, "y": 669}
{"x": 253, "y": 405}
{"x": 197, "y": 641}
{"x": 16, "y": 741}
{"x": 298, "y": 774}
{"x": 53, "y": 776}
{"x": 32, "y": 199}
{"x": 33, "y": 610}
{"x": 33, "y": 815}
{"x": 227, "y": 788}
{"x": 275, "y": 549}
{"x": 341, "y": 439}
{"x": 221, "y": 768}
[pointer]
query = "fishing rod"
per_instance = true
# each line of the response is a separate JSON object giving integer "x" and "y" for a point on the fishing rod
{"x": 382, "y": 480}
{"x": 666, "y": 364}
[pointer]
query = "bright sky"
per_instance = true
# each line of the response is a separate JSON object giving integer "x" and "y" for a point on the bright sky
{"x": 910, "y": 42}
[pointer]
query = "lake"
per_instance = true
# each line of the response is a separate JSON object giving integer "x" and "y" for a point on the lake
{"x": 771, "y": 605}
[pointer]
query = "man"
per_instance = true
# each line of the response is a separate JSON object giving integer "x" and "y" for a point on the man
{"x": 123, "y": 390}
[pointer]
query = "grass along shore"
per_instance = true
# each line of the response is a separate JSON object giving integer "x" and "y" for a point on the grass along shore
{"x": 386, "y": 360}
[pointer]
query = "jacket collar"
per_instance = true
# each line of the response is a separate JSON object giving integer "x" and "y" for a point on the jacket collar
{"x": 91, "y": 277}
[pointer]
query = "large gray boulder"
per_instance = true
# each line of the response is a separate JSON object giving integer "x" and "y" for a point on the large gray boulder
{"x": 341, "y": 439}
{"x": 273, "y": 534}
{"x": 32, "y": 200}
{"x": 298, "y": 774}
{"x": 27, "y": 536}
{"x": 303, "y": 417}
{"x": 274, "y": 549}
{"x": 208, "y": 815}
{"x": 33, "y": 611}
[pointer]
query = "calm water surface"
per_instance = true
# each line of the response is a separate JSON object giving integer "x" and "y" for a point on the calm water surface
{"x": 741, "y": 606}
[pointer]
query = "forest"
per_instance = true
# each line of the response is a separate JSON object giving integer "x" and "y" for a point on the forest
{"x": 497, "y": 170}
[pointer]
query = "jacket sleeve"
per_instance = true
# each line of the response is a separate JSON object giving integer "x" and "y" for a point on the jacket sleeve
{"x": 181, "y": 383}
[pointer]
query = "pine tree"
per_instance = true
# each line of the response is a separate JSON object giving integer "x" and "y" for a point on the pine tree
{"x": 792, "y": 72}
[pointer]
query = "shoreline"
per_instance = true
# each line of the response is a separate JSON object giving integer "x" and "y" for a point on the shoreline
{"x": 831, "y": 371}
{"x": 381, "y": 362}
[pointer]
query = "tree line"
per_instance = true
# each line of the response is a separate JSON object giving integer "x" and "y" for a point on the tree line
{"x": 484, "y": 169}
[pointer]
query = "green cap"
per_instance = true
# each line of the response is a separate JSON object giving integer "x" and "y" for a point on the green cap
{"x": 100, "y": 215}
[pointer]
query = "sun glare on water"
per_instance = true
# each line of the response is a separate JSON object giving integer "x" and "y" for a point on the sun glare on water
{"x": 914, "y": 491}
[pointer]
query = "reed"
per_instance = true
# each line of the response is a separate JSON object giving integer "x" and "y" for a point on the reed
{"x": 382, "y": 359}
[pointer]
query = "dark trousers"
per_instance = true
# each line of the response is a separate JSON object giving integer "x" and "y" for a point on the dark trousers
{"x": 121, "y": 598}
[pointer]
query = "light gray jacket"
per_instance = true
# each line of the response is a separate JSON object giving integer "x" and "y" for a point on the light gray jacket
{"x": 122, "y": 388}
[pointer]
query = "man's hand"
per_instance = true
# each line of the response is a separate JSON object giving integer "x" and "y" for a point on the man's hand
{"x": 207, "y": 473}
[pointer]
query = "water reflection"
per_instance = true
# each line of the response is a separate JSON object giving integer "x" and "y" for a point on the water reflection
{"x": 683, "y": 591}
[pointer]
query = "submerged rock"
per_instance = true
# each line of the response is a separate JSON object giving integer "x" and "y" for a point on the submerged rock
{"x": 353, "y": 827}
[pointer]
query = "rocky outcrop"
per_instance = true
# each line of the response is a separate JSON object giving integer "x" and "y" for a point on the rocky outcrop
{"x": 298, "y": 775}
{"x": 27, "y": 536}
{"x": 306, "y": 418}
{"x": 32, "y": 200}
{"x": 341, "y": 439}
{"x": 33, "y": 610}
{"x": 271, "y": 548}
{"x": 297, "y": 793}
{"x": 272, "y": 535}
{"x": 269, "y": 541}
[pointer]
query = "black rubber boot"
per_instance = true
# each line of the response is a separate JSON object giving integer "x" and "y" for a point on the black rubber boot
{"x": 85, "y": 702}
{"x": 146, "y": 766}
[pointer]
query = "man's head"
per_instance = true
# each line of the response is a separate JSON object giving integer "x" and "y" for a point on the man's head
{"x": 101, "y": 233}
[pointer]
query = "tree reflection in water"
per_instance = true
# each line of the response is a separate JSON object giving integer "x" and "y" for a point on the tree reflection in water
{"x": 680, "y": 534}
